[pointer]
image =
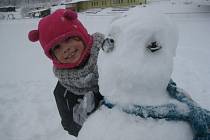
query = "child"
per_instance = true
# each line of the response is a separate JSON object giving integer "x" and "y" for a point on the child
{"x": 74, "y": 55}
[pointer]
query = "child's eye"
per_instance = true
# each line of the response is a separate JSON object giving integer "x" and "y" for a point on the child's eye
{"x": 154, "y": 46}
{"x": 66, "y": 40}
{"x": 76, "y": 38}
{"x": 56, "y": 47}
{"x": 73, "y": 39}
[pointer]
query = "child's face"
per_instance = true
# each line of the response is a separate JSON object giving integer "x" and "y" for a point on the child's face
{"x": 69, "y": 51}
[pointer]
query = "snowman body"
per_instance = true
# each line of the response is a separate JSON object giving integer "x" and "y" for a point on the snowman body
{"x": 136, "y": 72}
{"x": 112, "y": 124}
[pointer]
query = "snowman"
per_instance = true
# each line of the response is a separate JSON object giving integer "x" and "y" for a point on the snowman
{"x": 136, "y": 72}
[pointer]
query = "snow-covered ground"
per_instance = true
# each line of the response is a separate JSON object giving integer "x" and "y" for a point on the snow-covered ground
{"x": 27, "y": 106}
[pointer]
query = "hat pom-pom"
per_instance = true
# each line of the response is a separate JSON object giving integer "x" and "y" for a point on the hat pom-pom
{"x": 33, "y": 35}
{"x": 71, "y": 15}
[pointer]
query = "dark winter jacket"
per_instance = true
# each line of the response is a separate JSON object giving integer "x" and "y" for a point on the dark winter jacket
{"x": 66, "y": 101}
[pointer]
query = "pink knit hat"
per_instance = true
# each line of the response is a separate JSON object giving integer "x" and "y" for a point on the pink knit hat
{"x": 57, "y": 27}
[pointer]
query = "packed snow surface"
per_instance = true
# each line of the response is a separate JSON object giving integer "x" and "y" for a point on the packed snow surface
{"x": 114, "y": 124}
{"x": 28, "y": 110}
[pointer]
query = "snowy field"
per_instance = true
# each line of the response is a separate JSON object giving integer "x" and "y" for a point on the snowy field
{"x": 27, "y": 106}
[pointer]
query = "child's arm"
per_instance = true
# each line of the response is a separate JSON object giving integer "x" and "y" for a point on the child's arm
{"x": 106, "y": 44}
{"x": 98, "y": 39}
{"x": 65, "y": 112}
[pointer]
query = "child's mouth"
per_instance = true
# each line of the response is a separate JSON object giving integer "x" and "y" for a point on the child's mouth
{"x": 72, "y": 54}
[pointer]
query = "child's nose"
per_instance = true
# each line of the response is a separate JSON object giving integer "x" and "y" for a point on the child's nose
{"x": 66, "y": 50}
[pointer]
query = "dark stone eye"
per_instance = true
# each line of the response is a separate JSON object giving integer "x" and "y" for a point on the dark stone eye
{"x": 154, "y": 46}
{"x": 108, "y": 45}
{"x": 112, "y": 40}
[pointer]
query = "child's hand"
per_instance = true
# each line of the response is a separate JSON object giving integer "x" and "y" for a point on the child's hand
{"x": 88, "y": 102}
{"x": 85, "y": 106}
{"x": 79, "y": 114}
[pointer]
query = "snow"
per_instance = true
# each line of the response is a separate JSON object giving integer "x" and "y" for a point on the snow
{"x": 76, "y": 1}
{"x": 201, "y": 2}
{"x": 54, "y": 8}
{"x": 28, "y": 110}
{"x": 114, "y": 125}
{"x": 34, "y": 11}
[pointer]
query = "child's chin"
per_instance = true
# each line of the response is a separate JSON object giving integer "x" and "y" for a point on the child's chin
{"x": 72, "y": 61}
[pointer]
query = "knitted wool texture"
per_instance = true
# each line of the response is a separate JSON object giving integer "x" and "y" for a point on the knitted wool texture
{"x": 198, "y": 117}
{"x": 82, "y": 79}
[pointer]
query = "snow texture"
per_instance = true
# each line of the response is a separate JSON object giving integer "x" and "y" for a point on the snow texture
{"x": 28, "y": 110}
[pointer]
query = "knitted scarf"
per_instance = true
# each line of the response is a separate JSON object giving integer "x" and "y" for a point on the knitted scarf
{"x": 198, "y": 117}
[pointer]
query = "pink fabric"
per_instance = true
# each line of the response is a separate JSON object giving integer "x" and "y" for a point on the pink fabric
{"x": 57, "y": 27}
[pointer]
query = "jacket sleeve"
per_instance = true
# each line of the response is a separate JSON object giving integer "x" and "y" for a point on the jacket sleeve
{"x": 107, "y": 44}
{"x": 98, "y": 39}
{"x": 65, "y": 111}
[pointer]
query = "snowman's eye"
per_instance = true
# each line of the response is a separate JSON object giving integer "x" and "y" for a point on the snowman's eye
{"x": 154, "y": 46}
{"x": 108, "y": 45}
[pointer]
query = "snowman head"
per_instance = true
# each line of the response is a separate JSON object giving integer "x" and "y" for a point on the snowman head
{"x": 140, "y": 65}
